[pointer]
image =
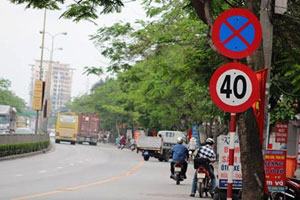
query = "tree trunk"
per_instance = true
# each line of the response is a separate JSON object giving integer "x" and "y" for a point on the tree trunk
{"x": 251, "y": 157}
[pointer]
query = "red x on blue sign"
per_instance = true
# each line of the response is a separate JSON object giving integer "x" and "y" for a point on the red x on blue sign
{"x": 236, "y": 33}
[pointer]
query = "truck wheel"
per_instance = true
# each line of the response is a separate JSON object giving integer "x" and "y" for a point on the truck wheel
{"x": 57, "y": 141}
{"x": 160, "y": 159}
{"x": 166, "y": 156}
{"x": 72, "y": 143}
{"x": 146, "y": 158}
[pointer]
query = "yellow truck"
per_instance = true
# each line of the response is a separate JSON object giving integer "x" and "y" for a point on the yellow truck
{"x": 66, "y": 127}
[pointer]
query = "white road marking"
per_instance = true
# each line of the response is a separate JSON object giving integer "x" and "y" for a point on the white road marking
{"x": 42, "y": 171}
{"x": 59, "y": 167}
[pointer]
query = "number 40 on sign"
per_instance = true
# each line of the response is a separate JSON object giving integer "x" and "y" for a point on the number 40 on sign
{"x": 234, "y": 87}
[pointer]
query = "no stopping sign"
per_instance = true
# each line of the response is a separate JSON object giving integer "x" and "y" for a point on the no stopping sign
{"x": 236, "y": 33}
{"x": 234, "y": 87}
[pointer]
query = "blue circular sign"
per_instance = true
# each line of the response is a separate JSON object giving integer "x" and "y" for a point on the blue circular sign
{"x": 236, "y": 33}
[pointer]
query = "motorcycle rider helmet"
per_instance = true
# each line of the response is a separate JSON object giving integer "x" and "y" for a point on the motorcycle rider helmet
{"x": 210, "y": 141}
{"x": 179, "y": 140}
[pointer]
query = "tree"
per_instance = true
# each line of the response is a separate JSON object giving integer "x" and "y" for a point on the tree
{"x": 78, "y": 10}
{"x": 7, "y": 97}
{"x": 251, "y": 152}
{"x": 162, "y": 69}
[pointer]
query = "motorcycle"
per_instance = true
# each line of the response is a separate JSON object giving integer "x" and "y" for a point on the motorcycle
{"x": 146, "y": 155}
{"x": 177, "y": 173}
{"x": 292, "y": 190}
{"x": 203, "y": 181}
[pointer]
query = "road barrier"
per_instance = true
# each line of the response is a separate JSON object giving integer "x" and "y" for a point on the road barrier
{"x": 20, "y": 144}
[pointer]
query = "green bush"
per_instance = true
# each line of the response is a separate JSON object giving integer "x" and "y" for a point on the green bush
{"x": 13, "y": 149}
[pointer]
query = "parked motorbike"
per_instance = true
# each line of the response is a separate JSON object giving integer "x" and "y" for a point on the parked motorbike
{"x": 292, "y": 191}
{"x": 203, "y": 181}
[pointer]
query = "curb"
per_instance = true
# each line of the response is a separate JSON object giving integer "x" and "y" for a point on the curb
{"x": 12, "y": 157}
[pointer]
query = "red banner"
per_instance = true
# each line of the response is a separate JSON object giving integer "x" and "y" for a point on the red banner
{"x": 281, "y": 132}
{"x": 275, "y": 169}
{"x": 259, "y": 106}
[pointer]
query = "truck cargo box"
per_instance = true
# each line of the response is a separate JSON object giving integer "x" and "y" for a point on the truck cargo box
{"x": 88, "y": 128}
{"x": 149, "y": 143}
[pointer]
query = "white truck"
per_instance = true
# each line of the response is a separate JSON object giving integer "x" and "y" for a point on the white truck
{"x": 150, "y": 147}
{"x": 169, "y": 139}
{"x": 7, "y": 119}
{"x": 160, "y": 146}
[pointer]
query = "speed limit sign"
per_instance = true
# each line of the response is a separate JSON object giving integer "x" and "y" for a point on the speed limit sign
{"x": 234, "y": 87}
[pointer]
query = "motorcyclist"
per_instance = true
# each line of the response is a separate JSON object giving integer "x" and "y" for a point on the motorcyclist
{"x": 179, "y": 155}
{"x": 122, "y": 142}
{"x": 204, "y": 156}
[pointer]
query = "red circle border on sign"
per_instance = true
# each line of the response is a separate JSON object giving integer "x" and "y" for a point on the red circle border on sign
{"x": 217, "y": 27}
{"x": 213, "y": 89}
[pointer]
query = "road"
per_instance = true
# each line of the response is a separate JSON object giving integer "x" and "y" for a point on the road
{"x": 89, "y": 172}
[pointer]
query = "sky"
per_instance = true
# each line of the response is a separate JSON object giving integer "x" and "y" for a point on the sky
{"x": 20, "y": 43}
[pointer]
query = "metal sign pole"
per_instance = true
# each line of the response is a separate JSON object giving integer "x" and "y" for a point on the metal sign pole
{"x": 36, "y": 122}
{"x": 41, "y": 70}
{"x": 232, "y": 130}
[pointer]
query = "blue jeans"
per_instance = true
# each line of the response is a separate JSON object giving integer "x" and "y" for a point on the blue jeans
{"x": 212, "y": 180}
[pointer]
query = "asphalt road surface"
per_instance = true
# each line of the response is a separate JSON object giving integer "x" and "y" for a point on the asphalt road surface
{"x": 90, "y": 172}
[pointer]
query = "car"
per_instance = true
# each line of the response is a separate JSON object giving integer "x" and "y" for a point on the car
{"x": 24, "y": 130}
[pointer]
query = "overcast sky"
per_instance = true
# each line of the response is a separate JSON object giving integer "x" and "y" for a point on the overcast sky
{"x": 20, "y": 41}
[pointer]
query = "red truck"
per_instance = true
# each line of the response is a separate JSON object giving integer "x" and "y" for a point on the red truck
{"x": 88, "y": 128}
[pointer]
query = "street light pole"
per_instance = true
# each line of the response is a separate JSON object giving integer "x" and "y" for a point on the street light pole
{"x": 41, "y": 67}
{"x": 52, "y": 42}
{"x": 47, "y": 101}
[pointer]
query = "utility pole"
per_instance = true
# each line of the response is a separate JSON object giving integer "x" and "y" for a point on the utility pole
{"x": 41, "y": 68}
{"x": 267, "y": 31}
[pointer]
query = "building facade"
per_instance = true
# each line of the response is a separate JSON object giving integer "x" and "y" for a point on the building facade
{"x": 58, "y": 77}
